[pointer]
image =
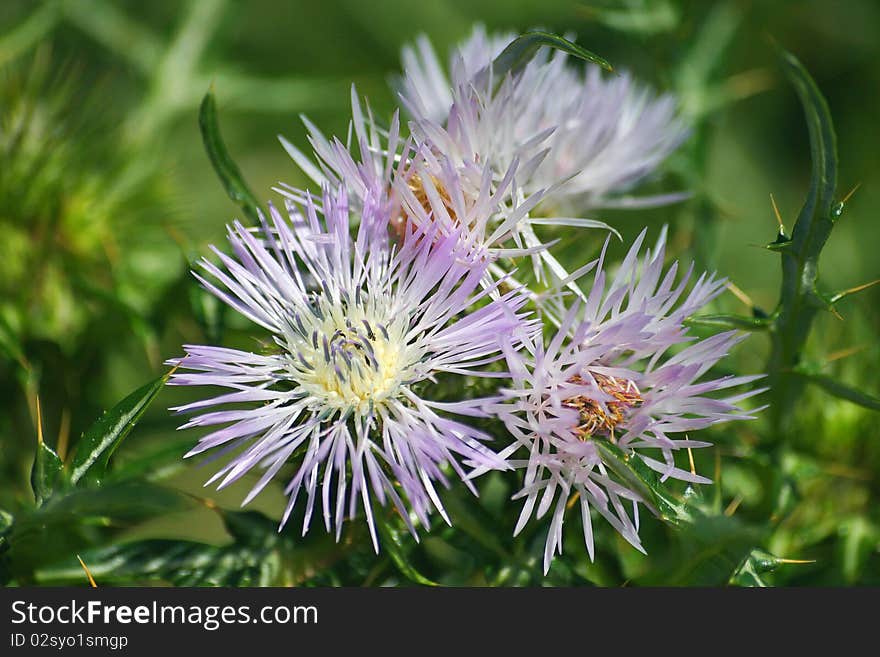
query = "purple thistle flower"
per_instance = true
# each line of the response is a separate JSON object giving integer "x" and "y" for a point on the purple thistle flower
{"x": 621, "y": 370}
{"x": 464, "y": 199}
{"x": 417, "y": 185}
{"x": 356, "y": 324}
{"x": 588, "y": 138}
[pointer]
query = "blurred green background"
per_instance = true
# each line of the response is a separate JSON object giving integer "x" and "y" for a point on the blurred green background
{"x": 106, "y": 195}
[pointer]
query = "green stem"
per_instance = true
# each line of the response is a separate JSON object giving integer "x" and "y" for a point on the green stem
{"x": 799, "y": 299}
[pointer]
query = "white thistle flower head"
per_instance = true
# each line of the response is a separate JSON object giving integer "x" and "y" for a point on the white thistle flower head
{"x": 602, "y": 134}
{"x": 361, "y": 330}
{"x": 620, "y": 376}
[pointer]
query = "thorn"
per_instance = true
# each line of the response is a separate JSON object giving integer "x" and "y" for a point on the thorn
{"x": 204, "y": 501}
{"x": 843, "y": 353}
{"x": 739, "y": 294}
{"x": 749, "y": 83}
{"x": 834, "y": 312}
{"x": 850, "y": 193}
{"x": 796, "y": 560}
{"x": 853, "y": 290}
{"x": 88, "y": 573}
{"x": 39, "y": 422}
{"x": 691, "y": 459}
{"x": 733, "y": 506}
{"x": 572, "y": 500}
{"x": 778, "y": 215}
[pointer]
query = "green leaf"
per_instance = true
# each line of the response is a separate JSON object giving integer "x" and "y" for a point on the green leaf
{"x": 523, "y": 48}
{"x": 816, "y": 218}
{"x": 183, "y": 563}
{"x": 392, "y": 543}
{"x": 703, "y": 552}
{"x": 94, "y": 449}
{"x": 230, "y": 175}
{"x": 257, "y": 556}
{"x": 74, "y": 519}
{"x": 643, "y": 480}
{"x": 838, "y": 389}
{"x": 117, "y": 503}
{"x": 44, "y": 472}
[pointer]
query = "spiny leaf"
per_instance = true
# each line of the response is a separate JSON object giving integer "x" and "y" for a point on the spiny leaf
{"x": 704, "y": 551}
{"x": 185, "y": 563}
{"x": 47, "y": 465}
{"x": 643, "y": 480}
{"x": 117, "y": 502}
{"x": 230, "y": 175}
{"x": 258, "y": 556}
{"x": 523, "y": 48}
{"x": 757, "y": 563}
{"x": 841, "y": 390}
{"x": 392, "y": 542}
{"x": 99, "y": 441}
{"x": 816, "y": 218}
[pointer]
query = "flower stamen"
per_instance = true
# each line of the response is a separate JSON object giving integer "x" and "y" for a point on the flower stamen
{"x": 597, "y": 418}
{"x": 416, "y": 185}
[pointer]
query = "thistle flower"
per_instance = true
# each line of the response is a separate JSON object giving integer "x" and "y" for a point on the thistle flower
{"x": 607, "y": 381}
{"x": 417, "y": 185}
{"x": 357, "y": 326}
{"x": 591, "y": 138}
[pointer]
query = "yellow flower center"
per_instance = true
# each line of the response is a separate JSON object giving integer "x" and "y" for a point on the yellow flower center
{"x": 353, "y": 365}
